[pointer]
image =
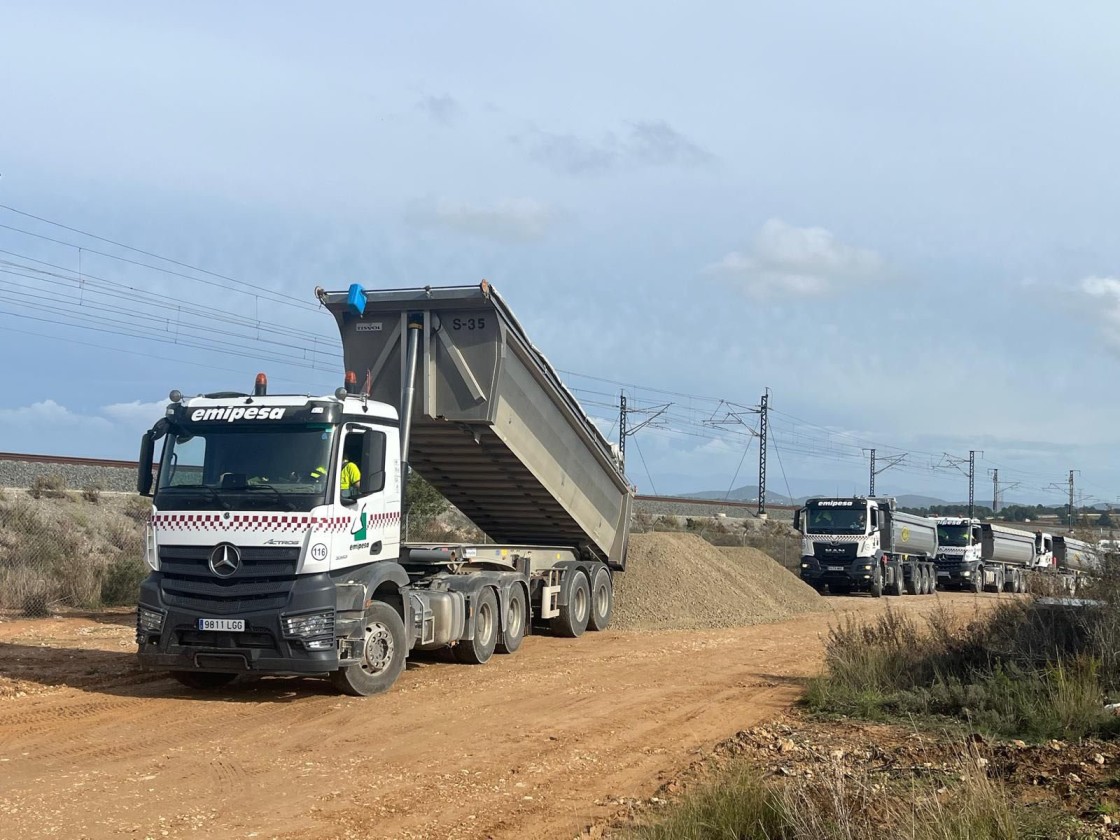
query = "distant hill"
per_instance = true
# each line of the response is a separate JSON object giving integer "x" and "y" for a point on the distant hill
{"x": 747, "y": 493}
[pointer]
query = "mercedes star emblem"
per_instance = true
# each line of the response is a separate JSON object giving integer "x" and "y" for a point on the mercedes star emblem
{"x": 225, "y": 560}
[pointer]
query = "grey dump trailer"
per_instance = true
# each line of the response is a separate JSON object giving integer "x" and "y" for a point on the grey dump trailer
{"x": 864, "y": 544}
{"x": 275, "y": 540}
{"x": 1007, "y": 555}
{"x": 977, "y": 556}
{"x": 1075, "y": 555}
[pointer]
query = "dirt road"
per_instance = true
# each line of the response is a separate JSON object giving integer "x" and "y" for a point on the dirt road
{"x": 531, "y": 745}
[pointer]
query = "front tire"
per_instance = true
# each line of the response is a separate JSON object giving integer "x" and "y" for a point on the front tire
{"x": 478, "y": 649}
{"x": 383, "y": 654}
{"x": 573, "y": 617}
{"x": 876, "y": 588}
{"x": 602, "y": 600}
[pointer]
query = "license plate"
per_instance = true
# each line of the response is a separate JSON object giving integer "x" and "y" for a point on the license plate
{"x": 226, "y": 625}
{"x": 836, "y": 568}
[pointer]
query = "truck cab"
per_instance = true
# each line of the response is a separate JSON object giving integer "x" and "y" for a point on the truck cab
{"x": 261, "y": 553}
{"x": 840, "y": 544}
{"x": 959, "y": 549}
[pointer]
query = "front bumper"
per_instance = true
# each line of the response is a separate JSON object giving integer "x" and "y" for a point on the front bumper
{"x": 856, "y": 574}
{"x": 265, "y": 645}
{"x": 953, "y": 574}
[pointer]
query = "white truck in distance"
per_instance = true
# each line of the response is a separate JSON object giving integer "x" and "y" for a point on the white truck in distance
{"x": 861, "y": 544}
{"x": 981, "y": 556}
{"x": 263, "y": 561}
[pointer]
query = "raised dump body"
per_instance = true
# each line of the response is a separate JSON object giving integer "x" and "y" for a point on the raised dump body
{"x": 492, "y": 426}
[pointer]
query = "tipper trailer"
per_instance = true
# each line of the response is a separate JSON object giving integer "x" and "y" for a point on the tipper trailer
{"x": 1065, "y": 558}
{"x": 980, "y": 556}
{"x": 862, "y": 544}
{"x": 275, "y": 535}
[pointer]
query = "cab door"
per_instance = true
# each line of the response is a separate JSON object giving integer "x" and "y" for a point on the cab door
{"x": 369, "y": 468}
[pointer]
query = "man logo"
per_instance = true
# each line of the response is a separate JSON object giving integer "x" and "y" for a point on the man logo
{"x": 225, "y": 560}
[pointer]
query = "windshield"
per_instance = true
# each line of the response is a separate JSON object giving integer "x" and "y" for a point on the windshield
{"x": 953, "y": 536}
{"x": 827, "y": 520}
{"x": 239, "y": 468}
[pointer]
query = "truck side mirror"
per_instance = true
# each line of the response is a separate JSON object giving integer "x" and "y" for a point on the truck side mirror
{"x": 797, "y": 520}
{"x": 147, "y": 453}
{"x": 373, "y": 463}
{"x": 144, "y": 469}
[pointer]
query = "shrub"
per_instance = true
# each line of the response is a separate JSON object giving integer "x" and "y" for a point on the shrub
{"x": 34, "y": 595}
{"x": 1021, "y": 670}
{"x": 91, "y": 493}
{"x": 845, "y": 803}
{"x": 121, "y": 584}
{"x": 138, "y": 508}
{"x": 51, "y": 486}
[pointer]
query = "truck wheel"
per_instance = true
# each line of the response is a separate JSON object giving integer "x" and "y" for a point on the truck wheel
{"x": 203, "y": 680}
{"x": 876, "y": 588}
{"x": 602, "y": 600}
{"x": 931, "y": 579}
{"x": 572, "y": 620}
{"x": 977, "y": 581}
{"x": 478, "y": 649}
{"x": 912, "y": 582}
{"x": 517, "y": 618}
{"x": 383, "y": 653}
{"x": 923, "y": 580}
{"x": 895, "y": 587}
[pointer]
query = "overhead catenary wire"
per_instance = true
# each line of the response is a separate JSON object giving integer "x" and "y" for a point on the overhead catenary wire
{"x": 102, "y": 300}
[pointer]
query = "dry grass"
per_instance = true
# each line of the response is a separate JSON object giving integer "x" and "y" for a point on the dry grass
{"x": 840, "y": 803}
{"x": 76, "y": 554}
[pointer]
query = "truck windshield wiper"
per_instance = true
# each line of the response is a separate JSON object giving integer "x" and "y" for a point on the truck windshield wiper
{"x": 213, "y": 493}
{"x": 287, "y": 505}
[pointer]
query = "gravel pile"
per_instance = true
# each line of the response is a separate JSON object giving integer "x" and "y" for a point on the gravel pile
{"x": 682, "y": 582}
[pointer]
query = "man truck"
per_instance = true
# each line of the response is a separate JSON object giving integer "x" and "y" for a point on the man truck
{"x": 263, "y": 562}
{"x": 862, "y": 544}
{"x": 981, "y": 556}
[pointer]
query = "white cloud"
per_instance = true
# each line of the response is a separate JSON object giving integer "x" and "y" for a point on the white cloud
{"x": 443, "y": 109}
{"x": 800, "y": 262}
{"x": 1103, "y": 296}
{"x": 509, "y": 220}
{"x": 46, "y": 415}
{"x": 135, "y": 414}
{"x": 643, "y": 143}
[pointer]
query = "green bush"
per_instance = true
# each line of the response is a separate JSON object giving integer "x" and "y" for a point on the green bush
{"x": 121, "y": 584}
{"x": 1022, "y": 670}
{"x": 52, "y": 486}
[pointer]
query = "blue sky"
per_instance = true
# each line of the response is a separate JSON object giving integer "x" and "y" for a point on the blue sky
{"x": 900, "y": 219}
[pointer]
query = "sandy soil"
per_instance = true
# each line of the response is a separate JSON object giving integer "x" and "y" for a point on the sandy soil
{"x": 538, "y": 744}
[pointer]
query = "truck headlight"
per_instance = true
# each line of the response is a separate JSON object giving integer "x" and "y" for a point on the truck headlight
{"x": 867, "y": 568}
{"x": 804, "y": 565}
{"x": 965, "y": 573}
{"x": 147, "y": 622}
{"x": 309, "y": 624}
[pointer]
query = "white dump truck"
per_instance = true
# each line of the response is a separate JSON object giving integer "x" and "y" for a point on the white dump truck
{"x": 1066, "y": 558}
{"x": 275, "y": 534}
{"x": 981, "y": 556}
{"x": 862, "y": 544}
